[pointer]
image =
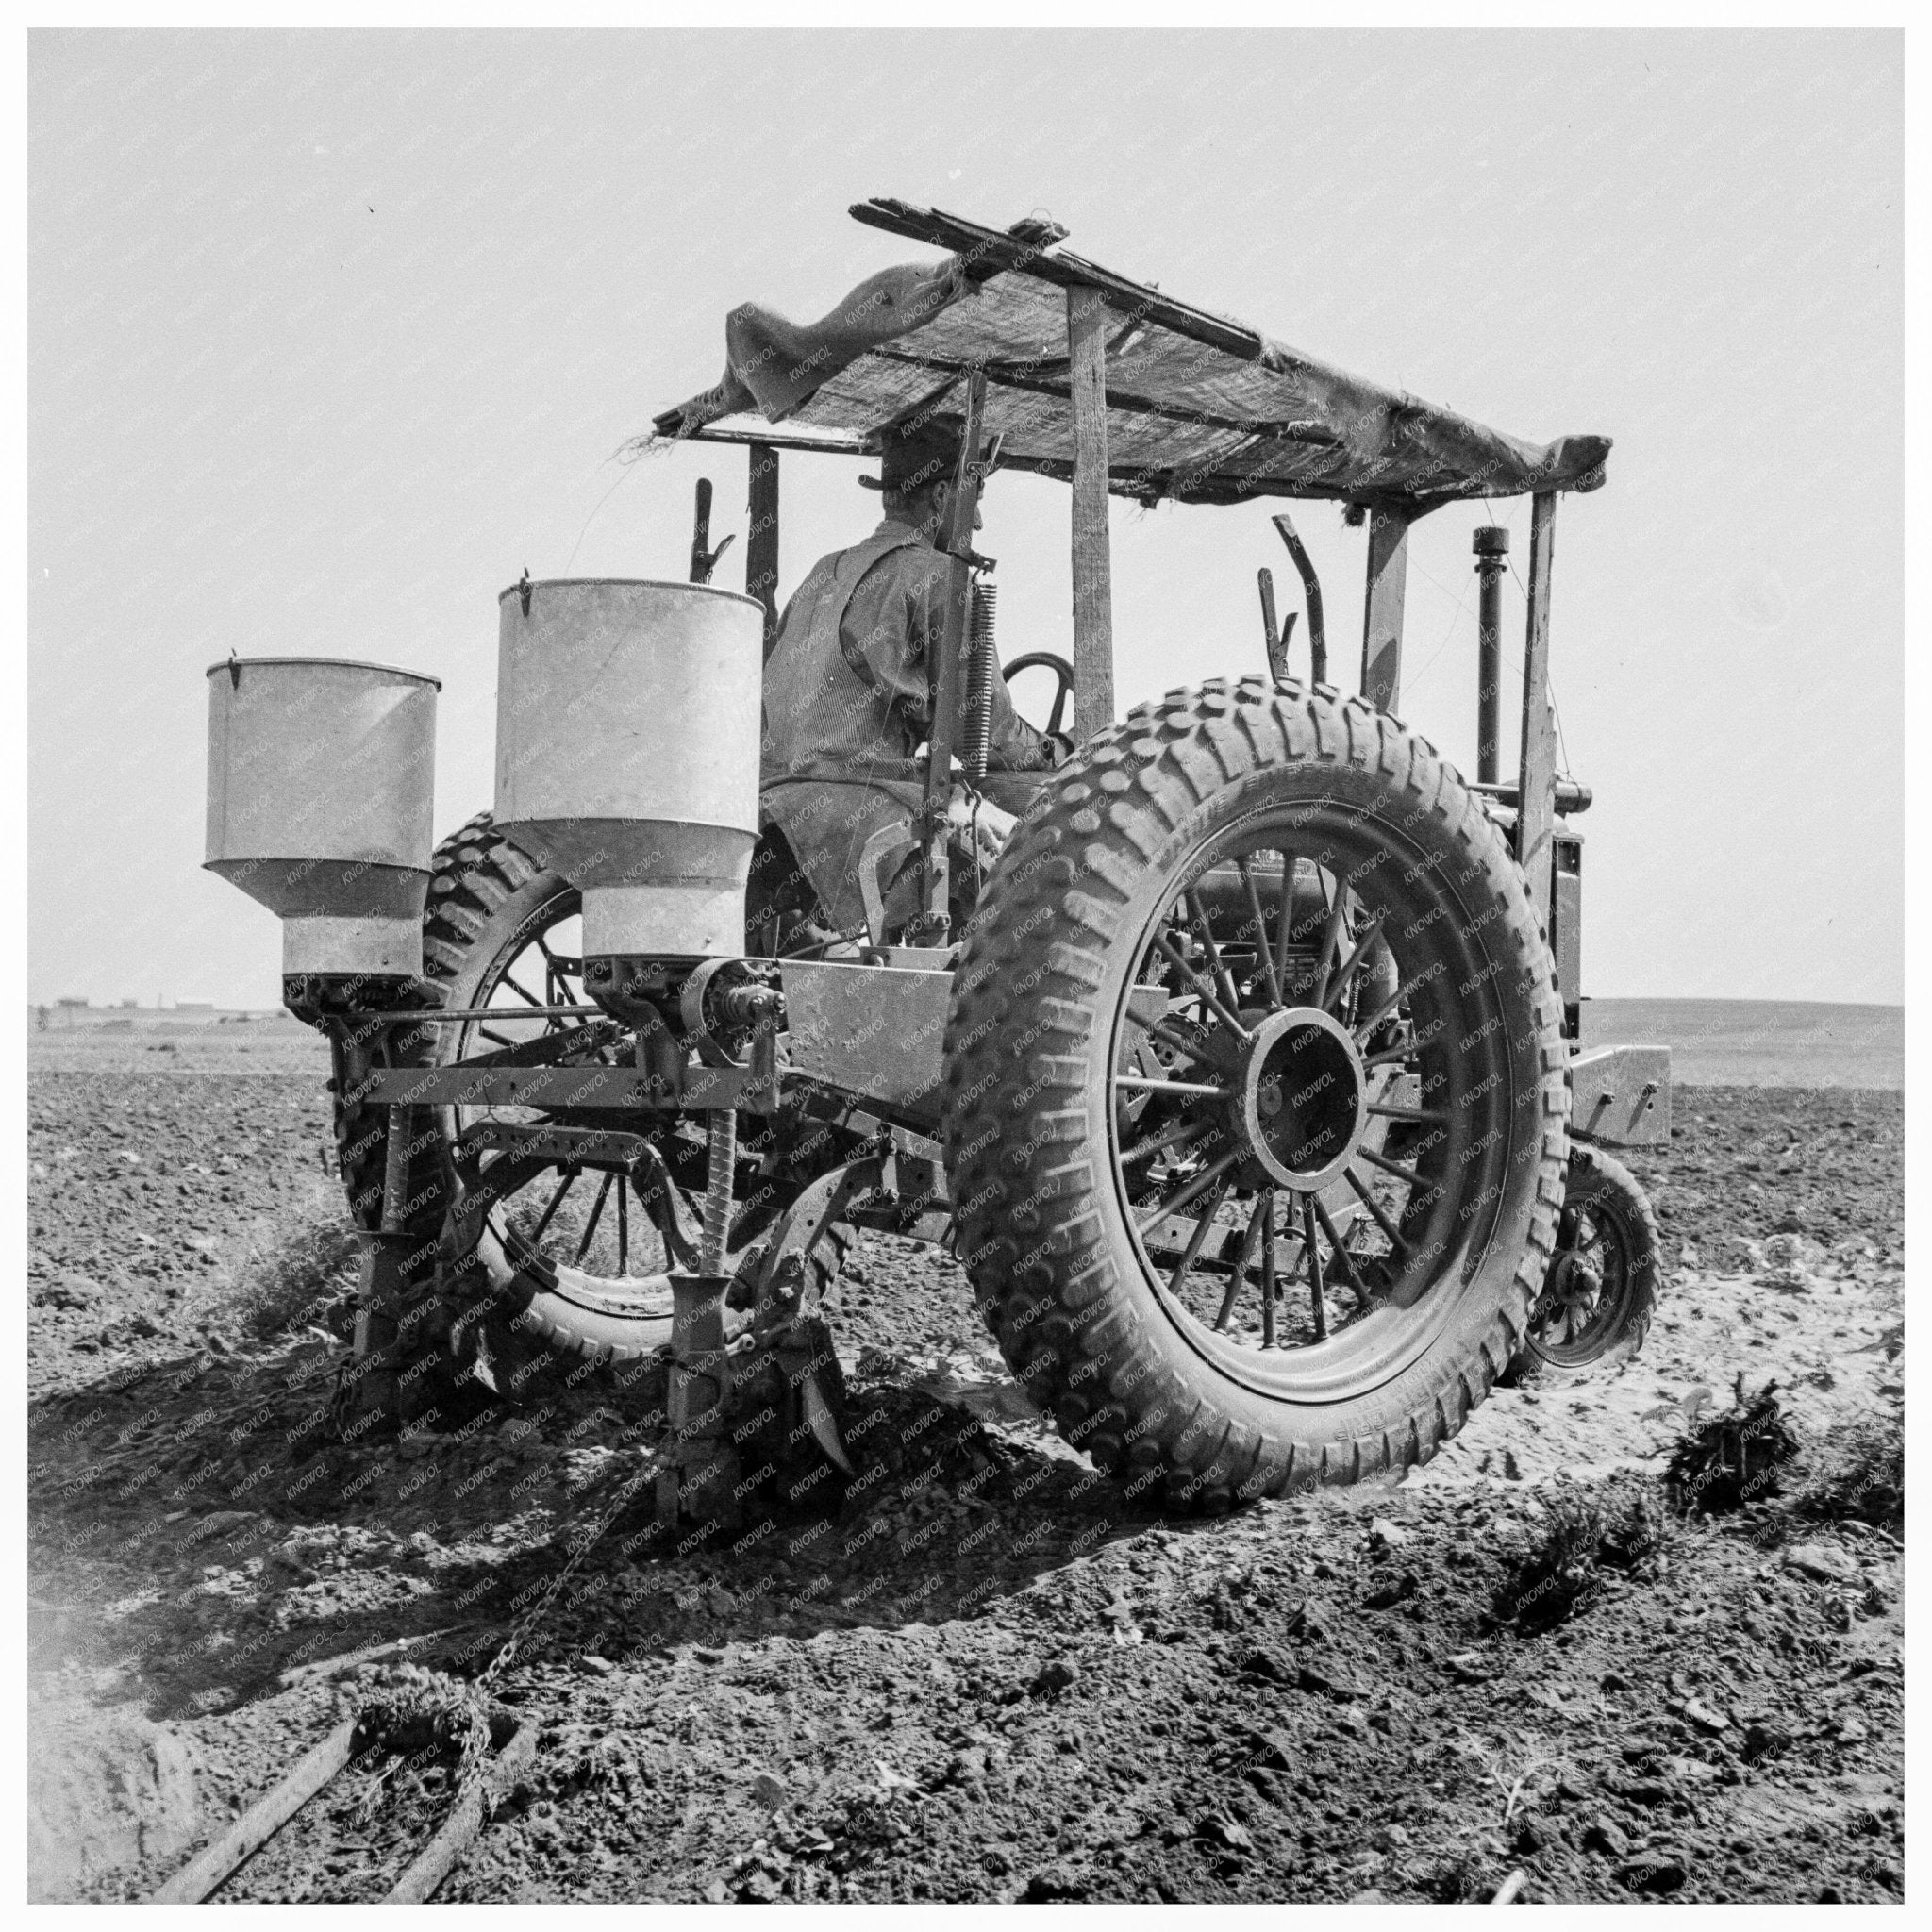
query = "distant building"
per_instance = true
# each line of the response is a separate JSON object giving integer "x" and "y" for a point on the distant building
{"x": 195, "y": 1006}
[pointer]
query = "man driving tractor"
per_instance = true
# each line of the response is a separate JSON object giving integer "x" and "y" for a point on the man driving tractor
{"x": 848, "y": 697}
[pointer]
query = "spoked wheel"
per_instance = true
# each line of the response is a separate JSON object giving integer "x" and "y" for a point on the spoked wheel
{"x": 580, "y": 1252}
{"x": 559, "y": 1265}
{"x": 570, "y": 1260}
{"x": 1258, "y": 1109}
{"x": 1602, "y": 1286}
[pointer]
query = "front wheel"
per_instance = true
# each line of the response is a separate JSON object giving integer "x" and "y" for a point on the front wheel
{"x": 1256, "y": 1112}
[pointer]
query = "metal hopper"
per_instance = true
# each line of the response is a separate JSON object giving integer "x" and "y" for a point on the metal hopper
{"x": 319, "y": 780}
{"x": 627, "y": 755}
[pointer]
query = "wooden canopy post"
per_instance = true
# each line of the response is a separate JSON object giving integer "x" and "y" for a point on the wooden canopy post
{"x": 1092, "y": 560}
{"x": 761, "y": 537}
{"x": 1387, "y": 589}
{"x": 1535, "y": 796}
{"x": 934, "y": 921}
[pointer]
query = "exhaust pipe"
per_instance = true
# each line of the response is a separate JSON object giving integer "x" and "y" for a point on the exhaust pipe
{"x": 1491, "y": 545}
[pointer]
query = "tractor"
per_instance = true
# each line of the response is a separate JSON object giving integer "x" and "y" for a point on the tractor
{"x": 1246, "y": 1085}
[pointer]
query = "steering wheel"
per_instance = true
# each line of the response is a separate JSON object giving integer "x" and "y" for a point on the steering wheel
{"x": 1062, "y": 671}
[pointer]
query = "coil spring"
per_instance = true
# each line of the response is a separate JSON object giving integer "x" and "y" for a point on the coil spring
{"x": 980, "y": 674}
{"x": 721, "y": 1136}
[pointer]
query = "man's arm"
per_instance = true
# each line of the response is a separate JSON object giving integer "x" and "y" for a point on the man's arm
{"x": 1014, "y": 745}
{"x": 896, "y": 619}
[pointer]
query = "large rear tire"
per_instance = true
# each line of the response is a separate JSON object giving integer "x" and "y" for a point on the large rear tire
{"x": 1256, "y": 949}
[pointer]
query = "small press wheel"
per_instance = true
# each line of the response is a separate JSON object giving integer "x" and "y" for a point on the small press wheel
{"x": 1601, "y": 1288}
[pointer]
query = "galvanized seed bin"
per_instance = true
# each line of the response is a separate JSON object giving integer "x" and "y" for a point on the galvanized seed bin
{"x": 319, "y": 780}
{"x": 628, "y": 754}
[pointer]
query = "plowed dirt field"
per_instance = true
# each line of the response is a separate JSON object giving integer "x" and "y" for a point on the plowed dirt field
{"x": 985, "y": 1678}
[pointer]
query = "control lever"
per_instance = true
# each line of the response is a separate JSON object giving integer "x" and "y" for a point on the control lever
{"x": 1276, "y": 638}
{"x": 704, "y": 561}
{"x": 1311, "y": 588}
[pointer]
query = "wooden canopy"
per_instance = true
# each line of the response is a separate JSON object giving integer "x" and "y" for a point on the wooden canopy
{"x": 1198, "y": 407}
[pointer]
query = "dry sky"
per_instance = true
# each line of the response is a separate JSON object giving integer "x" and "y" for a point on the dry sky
{"x": 332, "y": 335}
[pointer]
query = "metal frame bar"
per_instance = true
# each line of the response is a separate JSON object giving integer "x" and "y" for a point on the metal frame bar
{"x": 591, "y": 1089}
{"x": 451, "y": 1016}
{"x": 761, "y": 536}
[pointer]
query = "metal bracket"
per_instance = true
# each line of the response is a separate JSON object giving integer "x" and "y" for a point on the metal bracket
{"x": 886, "y": 843}
{"x": 664, "y": 1202}
{"x": 571, "y": 1146}
{"x": 590, "y": 1088}
{"x": 814, "y": 1211}
{"x": 875, "y": 1034}
{"x": 989, "y": 461}
{"x": 1620, "y": 1096}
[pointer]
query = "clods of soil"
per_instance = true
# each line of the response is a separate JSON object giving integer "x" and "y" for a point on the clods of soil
{"x": 988, "y": 1677}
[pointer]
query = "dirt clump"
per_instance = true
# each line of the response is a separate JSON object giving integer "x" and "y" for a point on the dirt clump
{"x": 1585, "y": 1539}
{"x": 1738, "y": 1456}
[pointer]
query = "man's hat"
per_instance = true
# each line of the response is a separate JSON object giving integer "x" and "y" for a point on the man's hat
{"x": 924, "y": 450}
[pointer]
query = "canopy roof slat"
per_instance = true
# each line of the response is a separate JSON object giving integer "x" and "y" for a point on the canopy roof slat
{"x": 991, "y": 250}
{"x": 1199, "y": 407}
{"x": 1027, "y": 378}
